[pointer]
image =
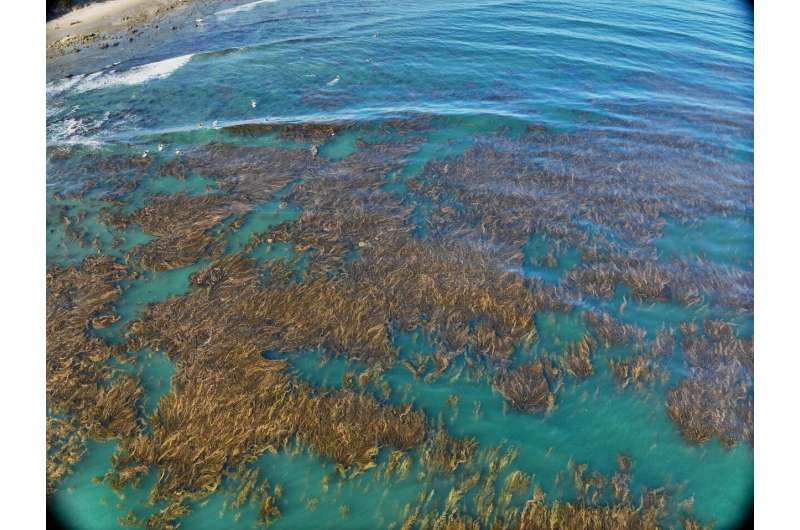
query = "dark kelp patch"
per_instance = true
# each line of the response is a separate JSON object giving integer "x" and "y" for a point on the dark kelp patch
{"x": 531, "y": 387}
{"x": 717, "y": 397}
{"x": 85, "y": 398}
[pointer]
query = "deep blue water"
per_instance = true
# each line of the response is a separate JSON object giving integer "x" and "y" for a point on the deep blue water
{"x": 654, "y": 90}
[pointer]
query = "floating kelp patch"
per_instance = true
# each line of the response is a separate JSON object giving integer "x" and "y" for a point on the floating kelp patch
{"x": 612, "y": 332}
{"x": 717, "y": 397}
{"x": 576, "y": 358}
{"x": 195, "y": 439}
{"x": 305, "y": 132}
{"x": 183, "y": 226}
{"x": 444, "y": 453}
{"x": 644, "y": 369}
{"x": 603, "y": 502}
{"x": 395, "y": 234}
{"x": 531, "y": 387}
{"x": 84, "y": 396}
{"x": 247, "y": 174}
{"x": 229, "y": 404}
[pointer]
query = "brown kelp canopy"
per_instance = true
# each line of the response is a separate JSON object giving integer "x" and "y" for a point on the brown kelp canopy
{"x": 603, "y": 503}
{"x": 86, "y": 397}
{"x": 182, "y": 226}
{"x": 531, "y": 387}
{"x": 717, "y": 397}
{"x": 448, "y": 257}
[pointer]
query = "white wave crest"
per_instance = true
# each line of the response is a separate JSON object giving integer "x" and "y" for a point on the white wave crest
{"x": 104, "y": 79}
{"x": 243, "y": 7}
{"x": 76, "y": 130}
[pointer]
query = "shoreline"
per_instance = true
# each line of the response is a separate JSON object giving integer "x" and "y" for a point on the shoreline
{"x": 105, "y": 24}
{"x": 92, "y": 37}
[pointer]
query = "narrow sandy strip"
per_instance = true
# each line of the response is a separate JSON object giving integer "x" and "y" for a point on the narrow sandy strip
{"x": 87, "y": 23}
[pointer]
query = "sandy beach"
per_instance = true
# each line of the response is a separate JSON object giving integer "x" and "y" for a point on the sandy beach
{"x": 99, "y": 21}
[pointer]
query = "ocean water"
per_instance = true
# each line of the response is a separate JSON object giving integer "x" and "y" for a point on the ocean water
{"x": 607, "y": 128}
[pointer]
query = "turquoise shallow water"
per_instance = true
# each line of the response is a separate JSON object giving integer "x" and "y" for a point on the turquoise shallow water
{"x": 649, "y": 92}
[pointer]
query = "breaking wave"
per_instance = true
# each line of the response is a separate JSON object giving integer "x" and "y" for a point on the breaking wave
{"x": 112, "y": 78}
{"x": 243, "y": 7}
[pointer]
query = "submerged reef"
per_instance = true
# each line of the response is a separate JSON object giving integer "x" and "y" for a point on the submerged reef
{"x": 282, "y": 242}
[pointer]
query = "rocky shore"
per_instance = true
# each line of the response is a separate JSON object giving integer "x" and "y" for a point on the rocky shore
{"x": 94, "y": 36}
{"x": 108, "y": 24}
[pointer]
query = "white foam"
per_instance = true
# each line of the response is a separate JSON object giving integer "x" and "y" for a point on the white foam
{"x": 110, "y": 78}
{"x": 76, "y": 131}
{"x": 243, "y": 7}
{"x": 62, "y": 85}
